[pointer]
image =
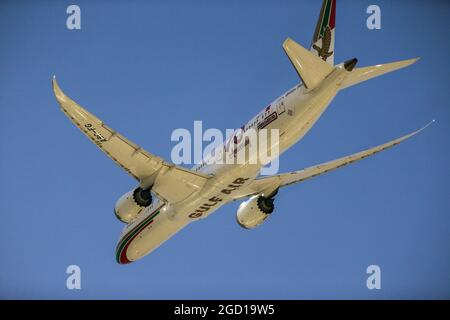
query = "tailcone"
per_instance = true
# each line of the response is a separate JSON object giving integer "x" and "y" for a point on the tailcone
{"x": 350, "y": 64}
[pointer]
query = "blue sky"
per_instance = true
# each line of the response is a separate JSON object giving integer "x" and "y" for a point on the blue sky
{"x": 147, "y": 68}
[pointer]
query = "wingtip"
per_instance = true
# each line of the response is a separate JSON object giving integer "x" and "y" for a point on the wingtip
{"x": 425, "y": 126}
{"x": 411, "y": 61}
{"x": 59, "y": 94}
{"x": 54, "y": 82}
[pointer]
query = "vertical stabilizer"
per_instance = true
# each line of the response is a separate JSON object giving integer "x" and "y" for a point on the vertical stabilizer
{"x": 323, "y": 40}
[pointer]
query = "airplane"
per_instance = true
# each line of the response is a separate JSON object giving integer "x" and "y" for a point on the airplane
{"x": 168, "y": 197}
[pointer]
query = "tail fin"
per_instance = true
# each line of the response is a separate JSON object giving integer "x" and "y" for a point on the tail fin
{"x": 323, "y": 40}
{"x": 362, "y": 74}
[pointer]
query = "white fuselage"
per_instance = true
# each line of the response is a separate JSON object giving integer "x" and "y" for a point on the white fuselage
{"x": 293, "y": 114}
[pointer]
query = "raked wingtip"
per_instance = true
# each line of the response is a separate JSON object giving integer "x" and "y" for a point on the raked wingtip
{"x": 54, "y": 83}
{"x": 426, "y": 126}
{"x": 414, "y": 60}
{"x": 57, "y": 90}
{"x": 411, "y": 61}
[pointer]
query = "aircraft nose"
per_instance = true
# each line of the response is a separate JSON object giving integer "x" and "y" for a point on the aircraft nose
{"x": 121, "y": 253}
{"x": 125, "y": 253}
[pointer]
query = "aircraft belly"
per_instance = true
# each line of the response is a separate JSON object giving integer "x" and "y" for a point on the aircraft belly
{"x": 306, "y": 114}
{"x": 199, "y": 203}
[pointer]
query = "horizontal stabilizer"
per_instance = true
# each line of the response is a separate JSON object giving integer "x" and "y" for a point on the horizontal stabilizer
{"x": 362, "y": 74}
{"x": 311, "y": 69}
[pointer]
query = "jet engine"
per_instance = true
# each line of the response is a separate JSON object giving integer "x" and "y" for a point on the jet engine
{"x": 131, "y": 204}
{"x": 254, "y": 211}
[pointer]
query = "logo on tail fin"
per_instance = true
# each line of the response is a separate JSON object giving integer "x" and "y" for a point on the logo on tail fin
{"x": 324, "y": 52}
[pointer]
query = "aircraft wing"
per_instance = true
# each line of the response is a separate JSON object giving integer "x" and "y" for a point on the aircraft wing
{"x": 170, "y": 182}
{"x": 267, "y": 185}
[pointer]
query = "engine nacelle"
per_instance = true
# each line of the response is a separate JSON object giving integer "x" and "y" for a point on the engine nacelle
{"x": 131, "y": 204}
{"x": 254, "y": 211}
